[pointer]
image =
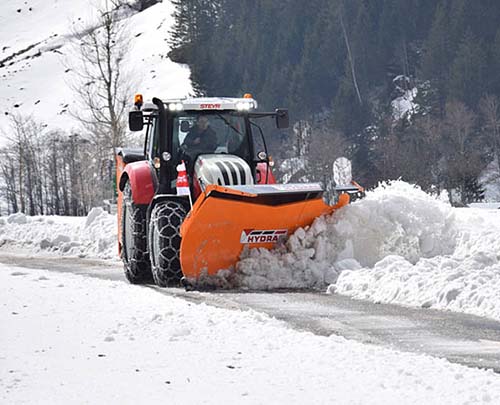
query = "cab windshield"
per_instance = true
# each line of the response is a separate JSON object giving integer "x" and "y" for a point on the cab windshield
{"x": 196, "y": 133}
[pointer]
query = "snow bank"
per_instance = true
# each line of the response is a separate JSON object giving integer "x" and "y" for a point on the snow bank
{"x": 98, "y": 338}
{"x": 93, "y": 236}
{"x": 466, "y": 280}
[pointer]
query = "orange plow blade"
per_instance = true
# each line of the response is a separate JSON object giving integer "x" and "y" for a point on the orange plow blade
{"x": 225, "y": 220}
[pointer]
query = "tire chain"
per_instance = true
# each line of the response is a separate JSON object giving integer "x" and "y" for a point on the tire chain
{"x": 137, "y": 267}
{"x": 165, "y": 241}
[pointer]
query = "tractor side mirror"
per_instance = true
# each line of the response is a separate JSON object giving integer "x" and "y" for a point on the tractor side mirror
{"x": 135, "y": 120}
{"x": 282, "y": 120}
{"x": 185, "y": 127}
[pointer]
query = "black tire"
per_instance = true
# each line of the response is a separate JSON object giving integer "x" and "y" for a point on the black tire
{"x": 135, "y": 254}
{"x": 165, "y": 242}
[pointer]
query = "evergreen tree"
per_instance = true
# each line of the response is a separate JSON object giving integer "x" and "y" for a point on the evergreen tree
{"x": 438, "y": 48}
{"x": 467, "y": 72}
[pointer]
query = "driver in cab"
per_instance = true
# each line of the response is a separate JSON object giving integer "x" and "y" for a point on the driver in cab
{"x": 201, "y": 137}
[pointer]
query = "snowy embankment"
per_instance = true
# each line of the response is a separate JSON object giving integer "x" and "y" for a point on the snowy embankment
{"x": 140, "y": 346}
{"x": 93, "y": 236}
{"x": 464, "y": 276}
{"x": 397, "y": 245}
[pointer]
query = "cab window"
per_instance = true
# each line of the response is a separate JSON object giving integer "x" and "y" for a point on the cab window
{"x": 227, "y": 130}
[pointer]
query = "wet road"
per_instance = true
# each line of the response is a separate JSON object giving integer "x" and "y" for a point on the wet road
{"x": 460, "y": 338}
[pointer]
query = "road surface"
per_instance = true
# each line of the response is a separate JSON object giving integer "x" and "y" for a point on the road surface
{"x": 465, "y": 339}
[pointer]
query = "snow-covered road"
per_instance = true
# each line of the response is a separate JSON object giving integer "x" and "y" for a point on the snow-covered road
{"x": 461, "y": 338}
{"x": 69, "y": 338}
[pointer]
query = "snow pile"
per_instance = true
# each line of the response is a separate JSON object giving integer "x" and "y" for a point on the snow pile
{"x": 467, "y": 280}
{"x": 93, "y": 236}
{"x": 394, "y": 219}
{"x": 91, "y": 332}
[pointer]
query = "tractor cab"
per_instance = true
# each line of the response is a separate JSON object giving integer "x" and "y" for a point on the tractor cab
{"x": 212, "y": 136}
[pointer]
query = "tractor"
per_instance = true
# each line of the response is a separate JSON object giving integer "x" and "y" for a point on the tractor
{"x": 202, "y": 189}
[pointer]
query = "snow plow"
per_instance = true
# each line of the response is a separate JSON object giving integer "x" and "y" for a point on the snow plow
{"x": 201, "y": 190}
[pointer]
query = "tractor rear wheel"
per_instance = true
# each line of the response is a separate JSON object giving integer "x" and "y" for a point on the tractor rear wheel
{"x": 165, "y": 242}
{"x": 134, "y": 240}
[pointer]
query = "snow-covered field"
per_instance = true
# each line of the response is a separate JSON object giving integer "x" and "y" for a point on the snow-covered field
{"x": 68, "y": 339}
{"x": 37, "y": 58}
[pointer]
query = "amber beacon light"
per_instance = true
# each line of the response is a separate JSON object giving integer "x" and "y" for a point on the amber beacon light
{"x": 138, "y": 100}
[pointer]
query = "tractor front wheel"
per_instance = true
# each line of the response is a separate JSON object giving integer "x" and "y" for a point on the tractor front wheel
{"x": 134, "y": 248}
{"x": 165, "y": 242}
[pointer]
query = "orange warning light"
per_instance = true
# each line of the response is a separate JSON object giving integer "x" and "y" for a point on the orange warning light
{"x": 138, "y": 100}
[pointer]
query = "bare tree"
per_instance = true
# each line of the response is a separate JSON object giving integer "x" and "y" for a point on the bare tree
{"x": 102, "y": 86}
{"x": 325, "y": 146}
{"x": 46, "y": 173}
{"x": 10, "y": 187}
{"x": 489, "y": 109}
{"x": 24, "y": 138}
{"x": 462, "y": 154}
{"x": 411, "y": 153}
{"x": 426, "y": 136}
{"x": 388, "y": 151}
{"x": 103, "y": 89}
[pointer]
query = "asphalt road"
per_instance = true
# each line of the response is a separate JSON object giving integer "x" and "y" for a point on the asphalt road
{"x": 460, "y": 338}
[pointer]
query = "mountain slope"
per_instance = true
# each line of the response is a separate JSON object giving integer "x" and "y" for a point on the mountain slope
{"x": 36, "y": 59}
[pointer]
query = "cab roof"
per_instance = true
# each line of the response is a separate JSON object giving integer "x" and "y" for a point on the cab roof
{"x": 207, "y": 103}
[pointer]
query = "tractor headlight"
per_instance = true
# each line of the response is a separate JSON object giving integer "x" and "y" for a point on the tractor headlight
{"x": 244, "y": 106}
{"x": 175, "y": 107}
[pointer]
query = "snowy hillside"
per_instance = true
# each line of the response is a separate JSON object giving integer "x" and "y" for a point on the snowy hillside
{"x": 398, "y": 245}
{"x": 35, "y": 57}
